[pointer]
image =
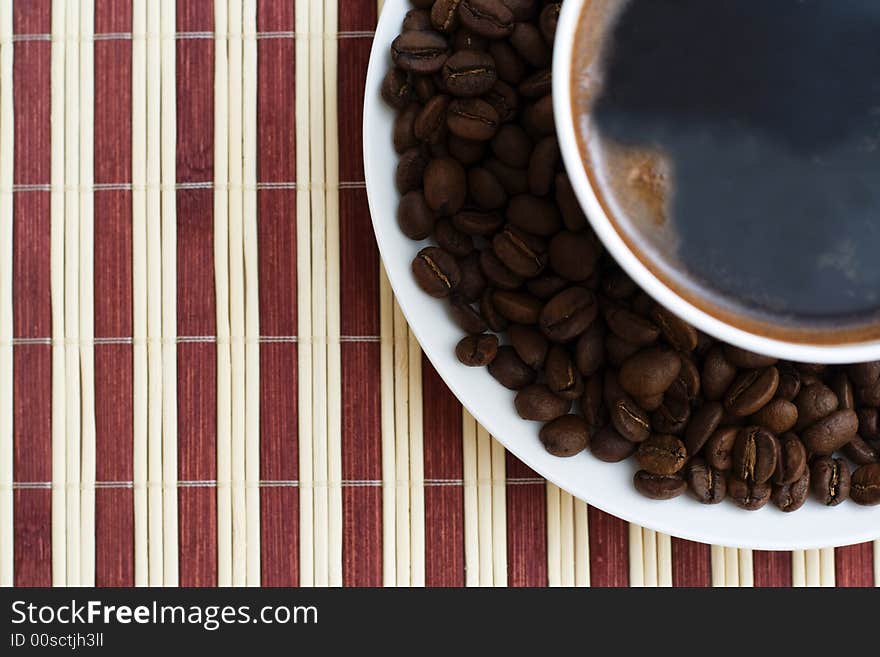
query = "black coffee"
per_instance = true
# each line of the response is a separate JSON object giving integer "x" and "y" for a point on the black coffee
{"x": 736, "y": 145}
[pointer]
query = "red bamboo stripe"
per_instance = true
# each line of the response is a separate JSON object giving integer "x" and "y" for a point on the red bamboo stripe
{"x": 196, "y": 308}
{"x": 114, "y": 508}
{"x": 772, "y": 568}
{"x": 691, "y": 563}
{"x": 609, "y": 549}
{"x": 32, "y": 378}
{"x": 526, "y": 527}
{"x": 854, "y": 565}
{"x": 444, "y": 505}
{"x": 276, "y": 144}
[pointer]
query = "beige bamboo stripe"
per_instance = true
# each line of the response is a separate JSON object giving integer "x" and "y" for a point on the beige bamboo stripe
{"x": 57, "y": 284}
{"x": 222, "y": 294}
{"x": 71, "y": 290}
{"x": 334, "y": 357}
{"x": 732, "y": 567}
{"x": 236, "y": 291}
{"x": 389, "y": 447}
{"x": 484, "y": 507}
{"x": 568, "y": 560}
{"x": 471, "y": 501}
{"x": 650, "y": 558}
{"x": 86, "y": 319}
{"x": 581, "y": 544}
{"x": 304, "y": 297}
{"x": 400, "y": 385}
{"x": 554, "y": 535}
{"x": 7, "y": 153}
{"x": 813, "y": 568}
{"x": 140, "y": 382}
{"x": 252, "y": 298}
{"x": 499, "y": 514}
{"x": 168, "y": 173}
{"x": 416, "y": 465}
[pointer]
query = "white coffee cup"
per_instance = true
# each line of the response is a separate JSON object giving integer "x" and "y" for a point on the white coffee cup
{"x": 567, "y": 27}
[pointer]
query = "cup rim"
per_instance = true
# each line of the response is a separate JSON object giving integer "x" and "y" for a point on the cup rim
{"x": 566, "y": 30}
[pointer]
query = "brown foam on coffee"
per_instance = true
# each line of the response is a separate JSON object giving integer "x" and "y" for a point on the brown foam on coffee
{"x": 635, "y": 187}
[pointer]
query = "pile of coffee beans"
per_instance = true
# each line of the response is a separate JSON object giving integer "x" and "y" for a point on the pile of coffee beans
{"x": 590, "y": 355}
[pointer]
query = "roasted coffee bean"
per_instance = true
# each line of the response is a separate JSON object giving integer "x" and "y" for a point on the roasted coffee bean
{"x": 866, "y": 485}
{"x": 477, "y": 350}
{"x": 617, "y": 285}
{"x": 465, "y": 40}
{"x": 568, "y": 314}
{"x": 444, "y": 15}
{"x": 864, "y": 374}
{"x": 650, "y": 372}
{"x": 538, "y": 403}
{"x": 718, "y": 374}
{"x": 870, "y": 395}
{"x": 592, "y": 404}
{"x": 831, "y": 432}
{"x": 528, "y": 42}
{"x": 650, "y": 403}
{"x": 430, "y": 124}
{"x": 445, "y": 186}
{"x": 746, "y": 359}
{"x": 813, "y": 403}
{"x": 436, "y": 271}
{"x": 789, "y": 382}
{"x": 609, "y": 446}
{"x": 510, "y": 67}
{"x": 611, "y": 390}
{"x": 472, "y": 118}
{"x": 530, "y": 345}
{"x": 469, "y": 73}
{"x": 485, "y": 189}
{"x": 630, "y": 326}
{"x": 396, "y": 89}
{"x": 662, "y": 454}
{"x": 472, "y": 283}
{"x": 748, "y": 495}
{"x": 522, "y": 10}
{"x": 830, "y": 480}
{"x": 453, "y": 240}
{"x": 751, "y": 391}
{"x": 706, "y": 483}
{"x": 525, "y": 255}
{"x": 476, "y": 223}
{"x": 589, "y": 351}
{"x": 418, "y": 20}
{"x": 424, "y": 87}
{"x": 415, "y": 218}
{"x": 422, "y": 4}
{"x": 778, "y": 416}
{"x": 689, "y": 377}
{"x": 490, "y": 18}
{"x": 534, "y": 215}
{"x": 561, "y": 374}
{"x": 719, "y": 449}
{"x": 538, "y": 116}
{"x": 497, "y": 273}
{"x": 504, "y": 99}
{"x": 566, "y": 436}
{"x": 791, "y": 496}
{"x": 420, "y": 51}
{"x": 547, "y": 285}
{"x": 677, "y": 332}
{"x": 514, "y": 181}
{"x": 791, "y": 460}
{"x": 537, "y": 85}
{"x": 542, "y": 166}
{"x": 404, "y": 129}
{"x": 842, "y": 387}
{"x": 468, "y": 319}
{"x": 411, "y": 170}
{"x": 630, "y": 421}
{"x": 517, "y": 307}
{"x": 487, "y": 309}
{"x": 869, "y": 423}
{"x": 659, "y": 487}
{"x": 548, "y": 19}
{"x": 672, "y": 415}
{"x": 509, "y": 370}
{"x": 466, "y": 151}
{"x": 860, "y": 452}
{"x": 574, "y": 255}
{"x": 702, "y": 425}
{"x": 754, "y": 454}
{"x": 512, "y": 146}
{"x": 569, "y": 207}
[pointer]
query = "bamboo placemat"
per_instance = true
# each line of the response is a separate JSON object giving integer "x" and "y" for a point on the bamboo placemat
{"x": 204, "y": 377}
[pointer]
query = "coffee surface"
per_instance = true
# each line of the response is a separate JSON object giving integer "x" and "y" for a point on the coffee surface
{"x": 736, "y": 146}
